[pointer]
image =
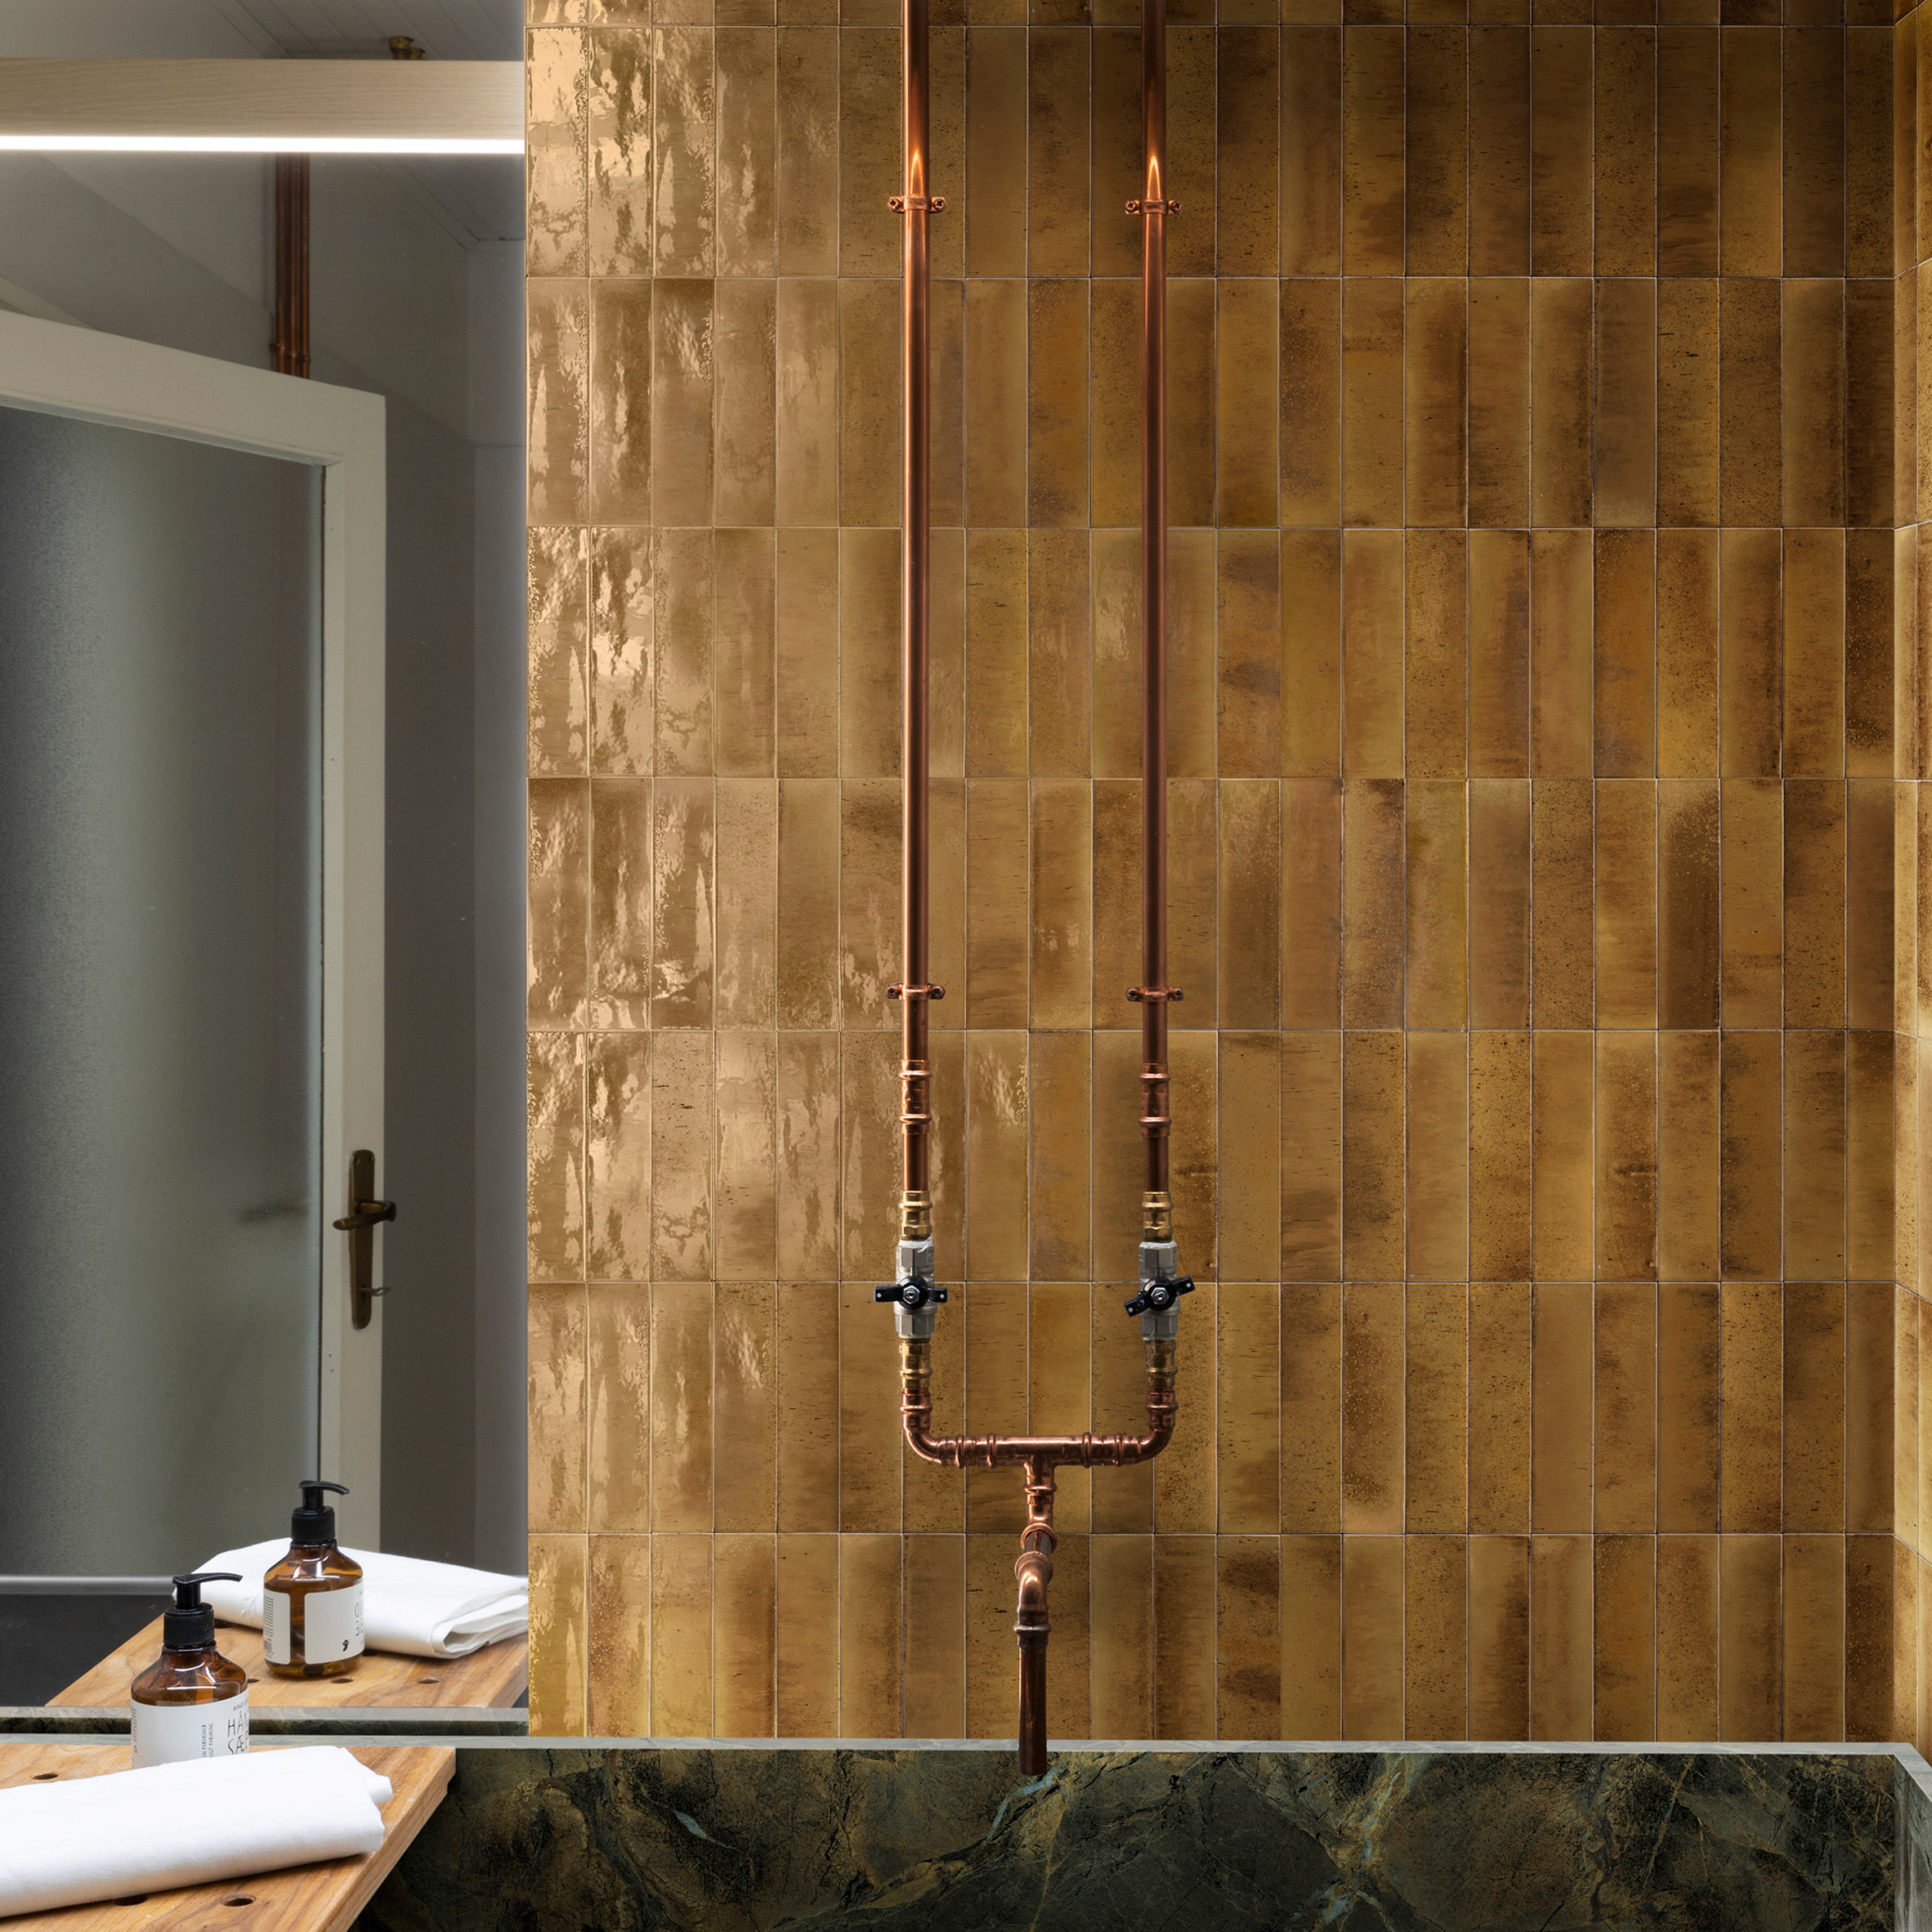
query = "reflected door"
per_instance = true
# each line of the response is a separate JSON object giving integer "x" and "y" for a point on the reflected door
{"x": 161, "y": 1176}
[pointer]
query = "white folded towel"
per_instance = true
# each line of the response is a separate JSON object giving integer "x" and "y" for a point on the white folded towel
{"x": 421, "y": 1609}
{"x": 84, "y": 1839}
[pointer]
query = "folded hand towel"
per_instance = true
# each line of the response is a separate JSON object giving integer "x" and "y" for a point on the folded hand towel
{"x": 421, "y": 1609}
{"x": 84, "y": 1839}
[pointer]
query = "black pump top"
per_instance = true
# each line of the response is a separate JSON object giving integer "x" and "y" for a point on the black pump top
{"x": 190, "y": 1624}
{"x": 315, "y": 1521}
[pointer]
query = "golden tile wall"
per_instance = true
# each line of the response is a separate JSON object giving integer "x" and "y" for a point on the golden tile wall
{"x": 1544, "y": 598}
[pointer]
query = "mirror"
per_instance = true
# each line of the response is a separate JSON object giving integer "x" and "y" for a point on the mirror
{"x": 261, "y": 902}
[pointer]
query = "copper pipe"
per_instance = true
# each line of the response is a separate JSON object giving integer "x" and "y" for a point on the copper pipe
{"x": 915, "y": 207}
{"x": 1154, "y": 993}
{"x": 289, "y": 346}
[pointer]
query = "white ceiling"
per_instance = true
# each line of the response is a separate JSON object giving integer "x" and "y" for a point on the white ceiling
{"x": 477, "y": 201}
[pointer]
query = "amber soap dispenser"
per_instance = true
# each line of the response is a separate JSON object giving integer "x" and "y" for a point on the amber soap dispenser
{"x": 311, "y": 1600}
{"x": 191, "y": 1701}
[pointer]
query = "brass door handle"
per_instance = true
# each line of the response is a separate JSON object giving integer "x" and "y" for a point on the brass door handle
{"x": 366, "y": 1214}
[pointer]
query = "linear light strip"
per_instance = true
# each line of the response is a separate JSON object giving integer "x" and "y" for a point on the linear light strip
{"x": 248, "y": 144}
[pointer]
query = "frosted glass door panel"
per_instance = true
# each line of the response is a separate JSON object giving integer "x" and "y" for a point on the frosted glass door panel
{"x": 160, "y": 917}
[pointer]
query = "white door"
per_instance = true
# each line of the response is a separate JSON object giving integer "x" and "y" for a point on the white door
{"x": 191, "y": 600}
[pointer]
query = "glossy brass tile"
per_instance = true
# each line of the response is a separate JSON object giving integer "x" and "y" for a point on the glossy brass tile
{"x": 1186, "y": 1480}
{"x": 554, "y": 1187}
{"x": 1500, "y": 167}
{"x": 558, "y": 902}
{"x": 1247, "y": 104}
{"x": 1372, "y": 1680}
{"x": 807, "y": 150}
{"x": 1184, "y": 1636}
{"x": 1868, "y": 669}
{"x": 1247, "y": 334}
{"x": 748, "y": 159}
{"x": 622, "y": 709}
{"x": 1625, "y": 653}
{"x": 1561, "y": 674}
{"x": 1624, "y": 1619}
{"x": 1752, "y": 902}
{"x": 1686, "y": 400}
{"x": 1310, "y": 378}
{"x": 1311, "y": 1156}
{"x": 1436, "y": 1180}
{"x": 1562, "y": 922}
{"x": 805, "y": 436}
{"x": 1561, "y": 1652}
{"x": 1687, "y": 160}
{"x": 1057, "y": 141}
{"x": 1250, "y": 910}
{"x": 556, "y": 1347}
{"x": 1815, "y": 1413}
{"x": 1249, "y": 1238}
{"x": 1688, "y": 1150}
{"x": 1814, "y": 902}
{"x": 1748, "y": 155}
{"x": 1499, "y": 653}
{"x": 1748, "y": 1166}
{"x": 1499, "y": 401}
{"x": 744, "y": 1694}
{"x": 614, "y": 1148}
{"x": 558, "y": 1635}
{"x": 1751, "y": 1636}
{"x": 868, "y": 117}
{"x": 869, "y": 1614}
{"x": 1498, "y": 1626}
{"x": 996, "y": 712}
{"x": 677, "y": 938}
{"x": 1060, "y": 654}
{"x": 1561, "y": 113}
{"x": 1311, "y": 129}
{"x": 1500, "y": 1406}
{"x": 556, "y": 118}
{"x": 1815, "y": 1149}
{"x": 1123, "y": 1635}
{"x": 868, "y": 402}
{"x": 1561, "y": 1360}
{"x": 1435, "y": 1636}
{"x": 1311, "y": 563}
{"x": 684, "y": 142}
{"x": 1870, "y": 1206}
{"x": 1627, "y": 1157}
{"x": 1057, "y": 403}
{"x": 1372, "y": 480}
{"x": 1814, "y": 396}
{"x": 618, "y": 1380}
{"x": 936, "y": 1666}
{"x": 1561, "y": 334}
{"x": 1626, "y": 425}
{"x": 1190, "y": 366}
{"x": 618, "y": 1636}
{"x": 1869, "y": 1614}
{"x": 1373, "y": 567}
{"x": 996, "y": 907}
{"x": 1626, "y": 935}
{"x": 558, "y": 739}
{"x": 1750, "y": 432}
{"x": 1499, "y": 896}
{"x": 748, "y": 1117}
{"x": 1686, "y": 1636}
{"x": 1436, "y": 145}
{"x": 1059, "y": 1179}
{"x": 994, "y": 201}
{"x": 996, "y": 403}
{"x": 558, "y": 404}
{"x": 746, "y": 817}
{"x": 1500, "y": 1113}
{"x": 1372, "y": 121}
{"x": 996, "y": 1245}
{"x": 1437, "y": 705}
{"x": 1371, "y": 1404}
{"x": 807, "y": 1419}
{"x": 807, "y": 1620}
{"x": 744, "y": 423}
{"x": 1626, "y": 163}
{"x": 1688, "y": 653}
{"x": 1311, "y": 1630}
{"x": 1192, "y": 902}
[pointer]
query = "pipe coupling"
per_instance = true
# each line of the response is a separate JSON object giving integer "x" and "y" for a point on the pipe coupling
{"x": 1156, "y": 1219}
{"x": 915, "y": 1219}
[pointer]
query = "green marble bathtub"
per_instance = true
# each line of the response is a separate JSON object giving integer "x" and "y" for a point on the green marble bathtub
{"x": 553, "y": 1835}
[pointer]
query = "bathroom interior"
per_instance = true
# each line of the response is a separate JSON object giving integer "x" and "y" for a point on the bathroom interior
{"x": 1112, "y": 838}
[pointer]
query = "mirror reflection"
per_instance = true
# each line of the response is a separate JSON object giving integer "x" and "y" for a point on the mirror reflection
{"x": 261, "y": 899}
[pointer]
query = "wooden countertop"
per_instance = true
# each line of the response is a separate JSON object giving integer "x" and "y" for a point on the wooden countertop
{"x": 494, "y": 1677}
{"x": 324, "y": 1898}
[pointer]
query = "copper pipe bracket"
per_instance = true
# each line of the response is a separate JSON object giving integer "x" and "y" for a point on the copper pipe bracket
{"x": 1153, "y": 208}
{"x": 919, "y": 204}
{"x": 1150, "y": 994}
{"x": 915, "y": 992}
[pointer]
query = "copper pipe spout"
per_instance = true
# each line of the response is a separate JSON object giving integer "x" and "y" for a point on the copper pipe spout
{"x": 1154, "y": 993}
{"x": 289, "y": 346}
{"x": 1033, "y": 1567}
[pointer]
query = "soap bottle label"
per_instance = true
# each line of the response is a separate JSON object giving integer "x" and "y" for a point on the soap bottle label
{"x": 332, "y": 1624}
{"x": 169, "y": 1733}
{"x": 275, "y": 1627}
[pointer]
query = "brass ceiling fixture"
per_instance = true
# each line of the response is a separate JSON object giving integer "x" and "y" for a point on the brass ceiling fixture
{"x": 915, "y": 1294}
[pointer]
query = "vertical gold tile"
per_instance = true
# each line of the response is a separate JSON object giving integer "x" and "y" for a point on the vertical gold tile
{"x": 1871, "y": 402}
{"x": 1870, "y": 562}
{"x": 1626, "y": 1370}
{"x": 1249, "y": 1244}
{"x": 743, "y": 1702}
{"x": 559, "y": 906}
{"x": 1688, "y": 653}
{"x": 1058, "y": 978}
{"x": 1750, "y": 224}
{"x": 996, "y": 1155}
{"x": 1627, "y": 1075}
{"x": 995, "y": 199}
{"x": 1311, "y": 568}
{"x": 618, "y": 1377}
{"x": 1626, "y": 903}
{"x": 618, "y": 1636}
{"x": 1751, "y": 903}
{"x": 1191, "y": 364}
{"x": 935, "y": 1685}
{"x": 1814, "y": 902}
{"x": 1869, "y": 1613}
{"x": 1687, "y": 901}
{"x": 808, "y": 149}
{"x": 746, "y": 884}
{"x": 1060, "y": 654}
{"x": 1561, "y": 1418}
{"x": 1311, "y": 193}
{"x": 556, "y": 122}
{"x": 1626, "y": 428}
{"x": 1310, "y": 1407}
{"x": 1814, "y": 170}
{"x": 622, "y": 721}
{"x": 1436, "y": 675}
{"x": 1688, "y": 1155}
{"x": 805, "y": 433}
{"x": 682, "y": 1600}
{"x": 558, "y": 354}
{"x": 1561, "y": 1153}
{"x": 745, "y": 407}
{"x": 1435, "y": 1636}
{"x": 1372, "y": 114}
{"x": 684, "y": 144}
{"x": 1625, "y": 1637}
{"x": 1057, "y": 142}
{"x": 1372, "y": 397}
{"x": 1247, "y": 104}
{"x": 1372, "y": 1704}
{"x": 559, "y": 1635}
{"x": 1814, "y": 1156}
{"x": 1372, "y": 901}
{"x": 1751, "y": 1636}
{"x": 681, "y": 877}
{"x": 1247, "y": 334}
{"x": 1251, "y": 910}
{"x": 1499, "y": 59}
{"x": 1687, "y": 401}
{"x": 1310, "y": 376}
{"x": 1498, "y": 1622}
{"x": 807, "y": 1425}
{"x": 1500, "y": 1112}
{"x": 807, "y": 992}
{"x": 557, "y": 1374}
{"x": 867, "y": 112}
{"x": 1059, "y": 1087}
{"x": 868, "y": 1424}
{"x": 1311, "y": 1622}
{"x": 1749, "y": 427}
{"x": 746, "y": 158}
{"x": 1310, "y": 1155}
{"x": 555, "y": 1184}
{"x": 1686, "y": 1407}
{"x": 1814, "y": 1413}
{"x": 681, "y": 1355}
{"x": 868, "y": 402}
{"x": 1069, "y": 1689}
{"x": 1751, "y": 1417}
{"x": 1686, "y": 1636}
{"x": 1372, "y": 1140}
{"x": 1500, "y": 1406}
{"x": 996, "y": 902}
{"x": 1498, "y": 669}
{"x": 1373, "y": 569}
{"x": 1435, "y": 1409}
{"x": 1247, "y": 1399}
{"x": 1562, "y": 139}
{"x": 746, "y": 1406}
{"x": 1372, "y": 1378}
{"x": 1748, "y": 1166}
{"x": 1192, "y": 155}
{"x": 1436, "y": 146}
{"x": 653, "y": 425}
{"x": 1626, "y": 655}
{"x": 1184, "y": 1648}
{"x": 870, "y": 1598}
{"x": 558, "y": 736}
{"x": 1561, "y": 336}
{"x": 1437, "y": 1141}
{"x": 1561, "y": 671}
{"x": 1248, "y": 636}
{"x": 1311, "y": 902}
{"x": 1499, "y": 400}
{"x": 1869, "y": 1343}
{"x": 1123, "y": 1640}
{"x": 1056, "y": 346}
{"x": 1435, "y": 399}
{"x": 682, "y": 1140}
{"x": 1499, "y": 893}
{"x": 1561, "y": 1658}
{"x": 1814, "y": 396}
{"x": 807, "y": 1625}
{"x": 1687, "y": 162}
{"x": 1626, "y": 212}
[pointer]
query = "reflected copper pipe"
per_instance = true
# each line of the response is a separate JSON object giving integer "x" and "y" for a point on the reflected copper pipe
{"x": 1153, "y": 992}
{"x": 915, "y": 207}
{"x": 1039, "y": 1455}
{"x": 289, "y": 346}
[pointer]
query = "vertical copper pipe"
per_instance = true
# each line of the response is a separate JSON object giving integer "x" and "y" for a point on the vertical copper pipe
{"x": 916, "y": 207}
{"x": 1033, "y": 1567}
{"x": 1157, "y": 1213}
{"x": 288, "y": 348}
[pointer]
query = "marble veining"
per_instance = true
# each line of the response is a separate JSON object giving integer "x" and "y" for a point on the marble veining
{"x": 1136, "y": 1841}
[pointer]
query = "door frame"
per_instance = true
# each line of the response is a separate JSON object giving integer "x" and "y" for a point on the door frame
{"x": 67, "y": 371}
